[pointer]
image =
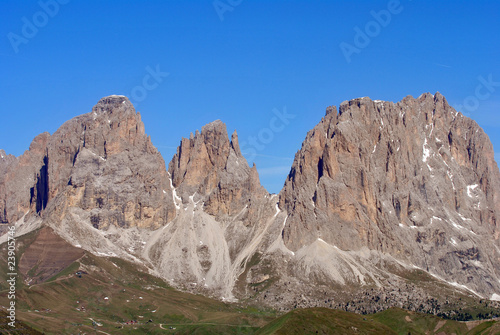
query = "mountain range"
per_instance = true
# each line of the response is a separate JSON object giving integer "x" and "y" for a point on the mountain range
{"x": 385, "y": 205}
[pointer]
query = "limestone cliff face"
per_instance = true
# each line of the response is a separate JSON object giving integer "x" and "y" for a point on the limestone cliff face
{"x": 210, "y": 167}
{"x": 102, "y": 163}
{"x": 415, "y": 179}
{"x": 23, "y": 181}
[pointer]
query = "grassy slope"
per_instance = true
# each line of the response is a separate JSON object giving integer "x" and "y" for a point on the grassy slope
{"x": 20, "y": 329}
{"x": 391, "y": 321}
{"x": 131, "y": 295}
{"x": 66, "y": 304}
{"x": 404, "y": 322}
{"x": 324, "y": 321}
{"x": 52, "y": 307}
{"x": 21, "y": 244}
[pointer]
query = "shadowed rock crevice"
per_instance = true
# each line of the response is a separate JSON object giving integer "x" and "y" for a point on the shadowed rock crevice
{"x": 3, "y": 213}
{"x": 40, "y": 192}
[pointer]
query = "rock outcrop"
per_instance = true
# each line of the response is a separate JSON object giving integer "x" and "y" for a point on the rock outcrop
{"x": 22, "y": 181}
{"x": 209, "y": 166}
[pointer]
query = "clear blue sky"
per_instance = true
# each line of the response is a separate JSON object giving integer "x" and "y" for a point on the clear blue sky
{"x": 262, "y": 56}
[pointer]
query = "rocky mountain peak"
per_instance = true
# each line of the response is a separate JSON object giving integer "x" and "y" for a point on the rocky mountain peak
{"x": 5, "y": 158}
{"x": 216, "y": 125}
{"x": 331, "y": 110}
{"x": 39, "y": 143}
{"x": 200, "y": 155}
{"x": 113, "y": 104}
{"x": 211, "y": 166}
{"x": 411, "y": 178}
{"x": 235, "y": 144}
{"x": 112, "y": 128}
{"x": 102, "y": 163}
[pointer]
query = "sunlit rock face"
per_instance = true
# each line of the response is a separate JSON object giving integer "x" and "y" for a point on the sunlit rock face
{"x": 415, "y": 180}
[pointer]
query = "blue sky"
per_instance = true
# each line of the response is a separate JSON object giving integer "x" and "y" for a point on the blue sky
{"x": 243, "y": 62}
